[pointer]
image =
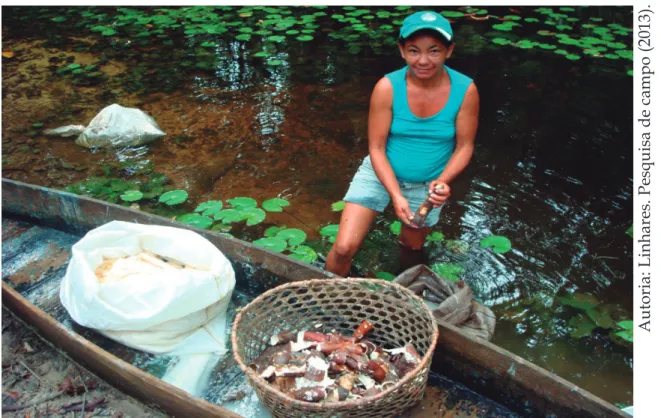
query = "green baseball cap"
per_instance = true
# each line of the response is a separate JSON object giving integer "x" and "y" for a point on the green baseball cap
{"x": 426, "y": 20}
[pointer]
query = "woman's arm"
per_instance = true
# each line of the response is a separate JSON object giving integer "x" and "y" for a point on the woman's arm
{"x": 466, "y": 129}
{"x": 378, "y": 127}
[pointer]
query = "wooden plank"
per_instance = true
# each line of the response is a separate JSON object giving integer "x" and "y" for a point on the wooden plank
{"x": 78, "y": 213}
{"x": 513, "y": 381}
{"x": 124, "y": 376}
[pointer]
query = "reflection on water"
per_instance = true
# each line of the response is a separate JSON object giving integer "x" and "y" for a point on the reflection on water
{"x": 551, "y": 170}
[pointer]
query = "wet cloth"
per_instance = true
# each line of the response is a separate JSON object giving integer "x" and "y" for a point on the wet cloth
{"x": 366, "y": 190}
{"x": 419, "y": 148}
{"x": 450, "y": 302}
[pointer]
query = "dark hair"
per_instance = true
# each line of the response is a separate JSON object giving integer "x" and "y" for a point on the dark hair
{"x": 426, "y": 32}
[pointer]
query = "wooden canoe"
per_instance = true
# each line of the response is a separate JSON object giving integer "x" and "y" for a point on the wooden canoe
{"x": 469, "y": 377}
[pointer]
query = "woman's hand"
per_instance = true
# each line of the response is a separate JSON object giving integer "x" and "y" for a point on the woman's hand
{"x": 402, "y": 209}
{"x": 440, "y": 192}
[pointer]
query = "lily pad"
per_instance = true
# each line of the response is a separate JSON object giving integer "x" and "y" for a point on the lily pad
{"x": 271, "y": 243}
{"x": 243, "y": 37}
{"x": 457, "y": 246}
{"x": 273, "y": 231}
{"x": 210, "y": 208}
{"x": 274, "y": 205}
{"x": 253, "y": 216}
{"x": 500, "y": 41}
{"x": 293, "y": 236}
{"x": 196, "y": 219}
{"x": 242, "y": 202}
{"x": 451, "y": 14}
{"x": 131, "y": 196}
{"x": 304, "y": 38}
{"x": 625, "y": 335}
{"x": 330, "y": 231}
{"x": 385, "y": 276}
{"x": 276, "y": 38}
{"x": 173, "y": 197}
{"x": 274, "y": 63}
{"x": 582, "y": 326}
{"x": 305, "y": 254}
{"x": 581, "y": 301}
{"x": 600, "y": 318}
{"x": 448, "y": 271}
{"x": 573, "y": 57}
{"x": 338, "y": 206}
{"x": 228, "y": 216}
{"x": 261, "y": 54}
{"x": 627, "y": 325}
{"x": 498, "y": 243}
{"x": 435, "y": 237}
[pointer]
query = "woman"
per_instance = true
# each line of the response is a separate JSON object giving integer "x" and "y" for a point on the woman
{"x": 421, "y": 130}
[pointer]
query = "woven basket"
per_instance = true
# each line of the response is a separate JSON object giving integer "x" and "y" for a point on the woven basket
{"x": 398, "y": 315}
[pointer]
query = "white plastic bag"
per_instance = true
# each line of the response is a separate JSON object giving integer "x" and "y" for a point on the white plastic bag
{"x": 113, "y": 126}
{"x": 177, "y": 311}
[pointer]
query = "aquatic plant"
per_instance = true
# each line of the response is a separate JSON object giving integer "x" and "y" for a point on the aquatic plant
{"x": 499, "y": 244}
{"x": 174, "y": 197}
{"x": 448, "y": 271}
{"x": 338, "y": 206}
{"x": 592, "y": 314}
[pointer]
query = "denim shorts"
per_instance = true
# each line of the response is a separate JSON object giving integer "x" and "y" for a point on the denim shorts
{"x": 366, "y": 190}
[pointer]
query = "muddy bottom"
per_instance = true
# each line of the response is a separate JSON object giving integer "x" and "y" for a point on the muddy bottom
{"x": 39, "y": 381}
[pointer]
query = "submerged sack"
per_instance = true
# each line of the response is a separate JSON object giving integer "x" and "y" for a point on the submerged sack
{"x": 113, "y": 126}
{"x": 177, "y": 311}
{"x": 451, "y": 302}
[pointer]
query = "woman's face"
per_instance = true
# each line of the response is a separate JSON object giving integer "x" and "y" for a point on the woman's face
{"x": 425, "y": 55}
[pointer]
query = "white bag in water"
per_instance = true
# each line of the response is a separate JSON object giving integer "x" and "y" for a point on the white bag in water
{"x": 174, "y": 311}
{"x": 113, "y": 126}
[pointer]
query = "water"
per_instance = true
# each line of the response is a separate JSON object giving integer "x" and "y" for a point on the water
{"x": 551, "y": 169}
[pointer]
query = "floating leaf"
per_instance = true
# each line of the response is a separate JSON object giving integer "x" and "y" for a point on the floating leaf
{"x": 242, "y": 202}
{"x": 500, "y": 41}
{"x": 273, "y": 231}
{"x": 503, "y": 27}
{"x": 243, "y": 37}
{"x": 293, "y": 236}
{"x": 228, "y": 216}
{"x": 396, "y": 227}
{"x": 573, "y": 57}
{"x": 274, "y": 205}
{"x": 457, "y": 246}
{"x": 276, "y": 38}
{"x": 131, "y": 196}
{"x": 448, "y": 271}
{"x": 210, "y": 208}
{"x": 7, "y": 54}
{"x": 271, "y": 243}
{"x": 581, "y": 301}
{"x": 628, "y": 325}
{"x": 305, "y": 254}
{"x": 221, "y": 227}
{"x": 499, "y": 243}
{"x": 330, "y": 231}
{"x": 304, "y": 38}
{"x": 261, "y": 54}
{"x": 253, "y": 216}
{"x": 531, "y": 20}
{"x": 385, "y": 276}
{"x": 37, "y": 125}
{"x": 173, "y": 197}
{"x": 59, "y": 19}
{"x": 451, "y": 14}
{"x": 208, "y": 44}
{"x": 625, "y": 335}
{"x": 196, "y": 219}
{"x": 435, "y": 237}
{"x": 600, "y": 318}
{"x": 582, "y": 326}
{"x": 338, "y": 206}
{"x": 274, "y": 63}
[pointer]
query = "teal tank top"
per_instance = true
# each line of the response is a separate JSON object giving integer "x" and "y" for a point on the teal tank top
{"x": 419, "y": 148}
